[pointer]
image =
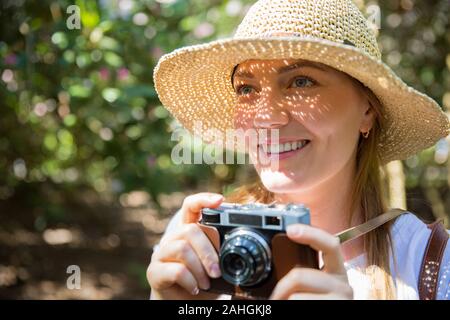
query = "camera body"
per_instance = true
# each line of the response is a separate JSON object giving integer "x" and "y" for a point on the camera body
{"x": 254, "y": 250}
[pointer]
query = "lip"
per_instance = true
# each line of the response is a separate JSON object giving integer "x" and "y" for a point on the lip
{"x": 283, "y": 155}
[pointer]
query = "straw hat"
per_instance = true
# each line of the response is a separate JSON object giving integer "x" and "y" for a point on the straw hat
{"x": 194, "y": 82}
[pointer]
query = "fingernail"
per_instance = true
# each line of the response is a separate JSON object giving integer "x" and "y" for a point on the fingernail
{"x": 215, "y": 271}
{"x": 204, "y": 285}
{"x": 215, "y": 197}
{"x": 295, "y": 230}
{"x": 195, "y": 291}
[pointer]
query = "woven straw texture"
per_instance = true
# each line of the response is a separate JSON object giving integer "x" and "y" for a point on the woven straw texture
{"x": 194, "y": 82}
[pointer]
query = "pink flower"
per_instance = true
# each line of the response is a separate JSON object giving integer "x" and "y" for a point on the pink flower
{"x": 104, "y": 74}
{"x": 123, "y": 73}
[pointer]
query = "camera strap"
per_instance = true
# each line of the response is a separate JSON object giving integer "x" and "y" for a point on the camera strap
{"x": 362, "y": 229}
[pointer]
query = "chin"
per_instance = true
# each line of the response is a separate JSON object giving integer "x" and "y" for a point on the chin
{"x": 278, "y": 182}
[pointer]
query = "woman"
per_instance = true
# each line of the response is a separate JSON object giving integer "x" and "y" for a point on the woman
{"x": 312, "y": 71}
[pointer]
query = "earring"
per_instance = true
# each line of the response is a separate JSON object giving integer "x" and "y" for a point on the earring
{"x": 366, "y": 134}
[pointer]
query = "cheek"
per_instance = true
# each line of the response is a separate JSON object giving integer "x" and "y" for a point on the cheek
{"x": 333, "y": 121}
{"x": 336, "y": 132}
{"x": 326, "y": 113}
{"x": 317, "y": 114}
{"x": 243, "y": 117}
{"x": 245, "y": 130}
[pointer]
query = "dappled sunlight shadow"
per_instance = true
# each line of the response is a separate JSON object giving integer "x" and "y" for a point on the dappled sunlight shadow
{"x": 19, "y": 236}
{"x": 112, "y": 257}
{"x": 62, "y": 236}
{"x": 106, "y": 286}
{"x": 271, "y": 93}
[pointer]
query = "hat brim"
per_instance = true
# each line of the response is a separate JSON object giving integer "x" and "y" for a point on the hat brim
{"x": 194, "y": 84}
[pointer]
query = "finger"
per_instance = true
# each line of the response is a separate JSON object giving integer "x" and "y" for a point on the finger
{"x": 192, "y": 205}
{"x": 163, "y": 275}
{"x": 320, "y": 240}
{"x": 307, "y": 280}
{"x": 181, "y": 251}
{"x": 201, "y": 245}
{"x": 314, "y": 296}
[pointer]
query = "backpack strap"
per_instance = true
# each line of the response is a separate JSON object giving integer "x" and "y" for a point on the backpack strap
{"x": 429, "y": 271}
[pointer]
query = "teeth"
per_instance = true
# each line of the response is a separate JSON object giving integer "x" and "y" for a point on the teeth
{"x": 275, "y": 148}
{"x": 287, "y": 146}
{"x": 279, "y": 148}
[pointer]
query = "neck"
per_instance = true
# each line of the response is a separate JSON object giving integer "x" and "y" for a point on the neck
{"x": 329, "y": 204}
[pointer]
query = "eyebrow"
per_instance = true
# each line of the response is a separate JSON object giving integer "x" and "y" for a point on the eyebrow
{"x": 284, "y": 69}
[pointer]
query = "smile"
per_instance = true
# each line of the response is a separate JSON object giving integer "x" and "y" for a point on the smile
{"x": 283, "y": 147}
{"x": 283, "y": 150}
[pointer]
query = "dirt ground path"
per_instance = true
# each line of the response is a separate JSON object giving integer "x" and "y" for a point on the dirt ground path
{"x": 111, "y": 245}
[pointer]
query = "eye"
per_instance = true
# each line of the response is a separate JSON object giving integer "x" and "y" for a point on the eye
{"x": 243, "y": 90}
{"x": 302, "y": 82}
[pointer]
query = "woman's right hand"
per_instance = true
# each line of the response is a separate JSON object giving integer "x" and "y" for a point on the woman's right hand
{"x": 185, "y": 258}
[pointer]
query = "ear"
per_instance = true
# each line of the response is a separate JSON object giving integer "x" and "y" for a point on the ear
{"x": 368, "y": 115}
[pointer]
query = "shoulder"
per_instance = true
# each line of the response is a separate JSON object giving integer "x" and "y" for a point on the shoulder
{"x": 409, "y": 231}
{"x": 410, "y": 237}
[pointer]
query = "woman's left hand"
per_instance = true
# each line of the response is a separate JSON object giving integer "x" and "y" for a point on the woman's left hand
{"x": 311, "y": 284}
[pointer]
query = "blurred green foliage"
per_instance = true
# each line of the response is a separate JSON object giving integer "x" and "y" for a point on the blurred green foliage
{"x": 78, "y": 108}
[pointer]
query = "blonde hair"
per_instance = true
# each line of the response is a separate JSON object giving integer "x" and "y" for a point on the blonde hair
{"x": 367, "y": 193}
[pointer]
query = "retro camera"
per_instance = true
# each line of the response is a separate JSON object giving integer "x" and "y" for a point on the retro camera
{"x": 254, "y": 250}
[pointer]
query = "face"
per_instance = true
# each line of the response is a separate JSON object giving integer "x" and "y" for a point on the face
{"x": 319, "y": 112}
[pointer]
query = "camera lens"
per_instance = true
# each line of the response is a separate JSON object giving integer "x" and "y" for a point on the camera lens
{"x": 245, "y": 258}
{"x": 236, "y": 264}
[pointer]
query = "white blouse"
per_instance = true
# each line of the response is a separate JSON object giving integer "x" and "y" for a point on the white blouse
{"x": 409, "y": 236}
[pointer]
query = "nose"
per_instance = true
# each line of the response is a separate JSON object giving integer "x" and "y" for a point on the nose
{"x": 270, "y": 113}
